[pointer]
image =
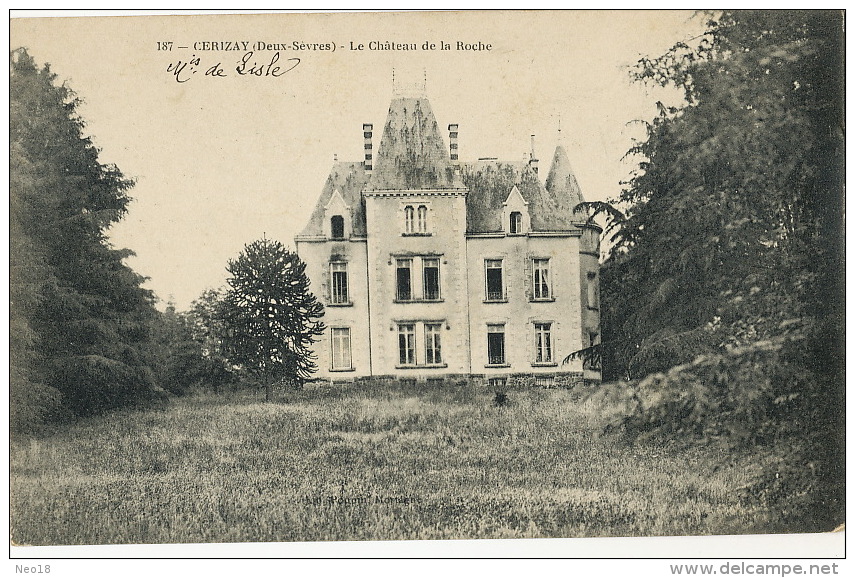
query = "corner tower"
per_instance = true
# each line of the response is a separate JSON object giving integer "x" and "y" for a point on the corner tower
{"x": 561, "y": 182}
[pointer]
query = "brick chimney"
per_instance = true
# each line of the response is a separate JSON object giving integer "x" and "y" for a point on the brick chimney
{"x": 452, "y": 143}
{"x": 369, "y": 153}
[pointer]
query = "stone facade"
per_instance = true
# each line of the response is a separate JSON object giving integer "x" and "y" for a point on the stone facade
{"x": 433, "y": 269}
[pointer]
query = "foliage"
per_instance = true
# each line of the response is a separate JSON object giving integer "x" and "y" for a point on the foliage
{"x": 207, "y": 330}
{"x": 723, "y": 301}
{"x": 80, "y": 318}
{"x": 269, "y": 316}
{"x": 735, "y": 213}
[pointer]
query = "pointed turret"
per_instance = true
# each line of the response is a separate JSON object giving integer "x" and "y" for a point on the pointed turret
{"x": 561, "y": 181}
{"x": 412, "y": 154}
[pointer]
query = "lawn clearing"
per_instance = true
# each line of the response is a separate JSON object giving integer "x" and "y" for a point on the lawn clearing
{"x": 363, "y": 463}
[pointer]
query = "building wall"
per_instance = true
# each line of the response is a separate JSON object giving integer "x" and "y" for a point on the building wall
{"x": 445, "y": 239}
{"x": 520, "y": 312}
{"x": 589, "y": 278}
{"x": 317, "y": 256}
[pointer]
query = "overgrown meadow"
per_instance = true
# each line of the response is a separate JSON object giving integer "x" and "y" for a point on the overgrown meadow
{"x": 361, "y": 463}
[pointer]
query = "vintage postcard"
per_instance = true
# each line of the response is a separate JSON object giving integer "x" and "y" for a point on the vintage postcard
{"x": 286, "y": 280}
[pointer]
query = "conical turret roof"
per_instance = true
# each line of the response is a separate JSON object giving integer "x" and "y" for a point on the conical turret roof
{"x": 561, "y": 181}
{"x": 412, "y": 153}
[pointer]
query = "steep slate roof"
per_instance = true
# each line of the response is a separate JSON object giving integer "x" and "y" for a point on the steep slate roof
{"x": 412, "y": 154}
{"x": 349, "y": 179}
{"x": 490, "y": 183}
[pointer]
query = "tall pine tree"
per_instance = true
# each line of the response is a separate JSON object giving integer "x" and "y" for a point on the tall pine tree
{"x": 81, "y": 317}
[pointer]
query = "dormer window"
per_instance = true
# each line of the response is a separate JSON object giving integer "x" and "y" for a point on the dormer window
{"x": 515, "y": 217}
{"x": 516, "y": 223}
{"x": 409, "y": 216}
{"x": 337, "y": 227}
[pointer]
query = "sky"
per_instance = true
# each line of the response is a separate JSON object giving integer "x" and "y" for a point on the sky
{"x": 221, "y": 161}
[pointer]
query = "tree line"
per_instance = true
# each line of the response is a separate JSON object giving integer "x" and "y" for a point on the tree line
{"x": 85, "y": 336}
{"x": 723, "y": 294}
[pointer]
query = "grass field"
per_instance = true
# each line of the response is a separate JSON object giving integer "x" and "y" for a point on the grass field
{"x": 363, "y": 464}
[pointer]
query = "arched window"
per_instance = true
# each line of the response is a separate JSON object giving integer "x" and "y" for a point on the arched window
{"x": 337, "y": 227}
{"x": 422, "y": 219}
{"x": 516, "y": 223}
{"x": 408, "y": 219}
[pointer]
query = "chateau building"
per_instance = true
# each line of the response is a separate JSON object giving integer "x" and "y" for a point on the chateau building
{"x": 433, "y": 268}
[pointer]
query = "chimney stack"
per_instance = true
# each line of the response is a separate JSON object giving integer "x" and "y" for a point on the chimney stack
{"x": 369, "y": 156}
{"x": 452, "y": 143}
{"x": 533, "y": 161}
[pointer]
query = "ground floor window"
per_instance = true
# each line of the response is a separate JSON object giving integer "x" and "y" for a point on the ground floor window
{"x": 496, "y": 344}
{"x": 341, "y": 357}
{"x": 433, "y": 348}
{"x": 407, "y": 344}
{"x": 543, "y": 342}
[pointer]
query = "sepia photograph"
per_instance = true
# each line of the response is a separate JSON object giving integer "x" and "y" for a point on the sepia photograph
{"x": 400, "y": 280}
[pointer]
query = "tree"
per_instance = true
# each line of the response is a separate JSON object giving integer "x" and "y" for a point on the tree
{"x": 723, "y": 295}
{"x": 207, "y": 330}
{"x": 269, "y": 315}
{"x": 735, "y": 214}
{"x": 81, "y": 317}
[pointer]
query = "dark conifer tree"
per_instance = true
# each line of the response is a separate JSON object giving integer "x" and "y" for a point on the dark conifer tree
{"x": 269, "y": 316}
{"x": 84, "y": 318}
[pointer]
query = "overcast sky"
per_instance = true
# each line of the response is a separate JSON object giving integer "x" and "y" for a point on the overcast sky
{"x": 221, "y": 161}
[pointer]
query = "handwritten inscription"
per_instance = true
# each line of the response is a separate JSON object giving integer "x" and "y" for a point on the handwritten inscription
{"x": 266, "y": 66}
{"x": 264, "y": 59}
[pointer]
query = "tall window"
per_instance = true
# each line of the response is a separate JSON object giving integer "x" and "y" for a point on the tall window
{"x": 408, "y": 219}
{"x": 403, "y": 280}
{"x": 338, "y": 274}
{"x": 407, "y": 344}
{"x": 341, "y": 348}
{"x": 543, "y": 342}
{"x": 516, "y": 222}
{"x": 433, "y": 349}
{"x": 592, "y": 290}
{"x": 495, "y": 283}
{"x": 337, "y": 227}
{"x": 430, "y": 269}
{"x": 496, "y": 344}
{"x": 422, "y": 214}
{"x": 540, "y": 278}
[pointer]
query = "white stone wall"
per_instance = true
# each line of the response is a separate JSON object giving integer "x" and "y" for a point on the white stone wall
{"x": 317, "y": 256}
{"x": 520, "y": 312}
{"x": 445, "y": 238}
